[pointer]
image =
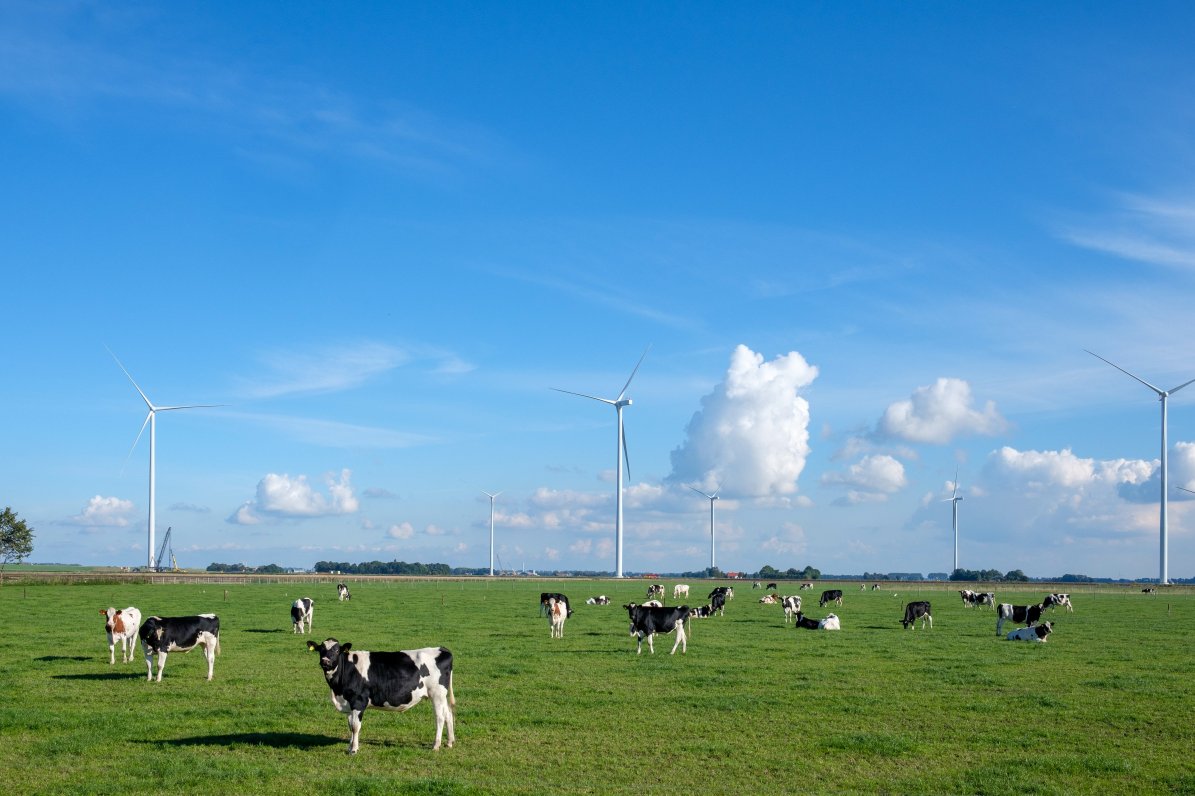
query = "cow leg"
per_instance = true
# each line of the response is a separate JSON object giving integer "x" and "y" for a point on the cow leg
{"x": 209, "y": 653}
{"x": 999, "y": 624}
{"x": 161, "y": 663}
{"x": 111, "y": 651}
{"x": 680, "y": 639}
{"x": 650, "y": 646}
{"x": 354, "y": 730}
{"x": 443, "y": 715}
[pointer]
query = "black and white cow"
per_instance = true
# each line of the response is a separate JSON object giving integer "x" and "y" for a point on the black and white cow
{"x": 1030, "y": 615}
{"x": 718, "y": 603}
{"x": 727, "y": 593}
{"x": 830, "y": 596}
{"x": 162, "y": 635}
{"x": 121, "y": 625}
{"x": 917, "y": 610}
{"x": 1055, "y": 600}
{"x": 701, "y": 612}
{"x": 1149, "y": 590}
{"x": 806, "y": 585}
{"x": 655, "y": 590}
{"x": 969, "y": 598}
{"x": 807, "y": 622}
{"x": 646, "y": 621}
{"x": 601, "y": 599}
{"x": 342, "y": 592}
{"x": 756, "y": 585}
{"x": 771, "y": 586}
{"x": 986, "y": 598}
{"x": 389, "y": 680}
{"x": 300, "y": 614}
{"x": 792, "y": 607}
{"x": 1037, "y": 633}
{"x": 544, "y": 597}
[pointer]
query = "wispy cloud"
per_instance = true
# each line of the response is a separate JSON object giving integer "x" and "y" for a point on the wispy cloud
{"x": 334, "y": 434}
{"x": 1152, "y": 230}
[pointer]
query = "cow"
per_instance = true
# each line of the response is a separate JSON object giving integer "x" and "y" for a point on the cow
{"x": 701, "y": 612}
{"x": 162, "y": 635}
{"x": 1149, "y": 590}
{"x": 1029, "y": 614}
{"x": 727, "y": 592}
{"x": 342, "y": 592}
{"x": 830, "y": 596}
{"x": 771, "y": 586}
{"x": 680, "y": 590}
{"x": 646, "y": 621}
{"x": 830, "y": 623}
{"x": 756, "y": 585}
{"x": 653, "y": 604}
{"x": 300, "y": 613}
{"x": 917, "y": 610}
{"x": 875, "y": 587}
{"x": 121, "y": 624}
{"x": 769, "y": 599}
{"x": 1037, "y": 634}
{"x": 718, "y": 603}
{"x": 969, "y": 598}
{"x": 544, "y": 597}
{"x": 389, "y": 680}
{"x": 806, "y": 586}
{"x": 601, "y": 599}
{"x": 1055, "y": 600}
{"x": 792, "y": 607}
{"x": 557, "y": 613}
{"x": 986, "y": 598}
{"x": 655, "y": 590}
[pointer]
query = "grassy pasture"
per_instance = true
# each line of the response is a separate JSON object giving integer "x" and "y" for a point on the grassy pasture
{"x": 1107, "y": 706}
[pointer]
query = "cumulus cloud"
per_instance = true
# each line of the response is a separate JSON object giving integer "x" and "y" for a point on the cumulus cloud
{"x": 751, "y": 435}
{"x": 401, "y": 531}
{"x": 871, "y": 479}
{"x": 101, "y": 512}
{"x": 283, "y": 497}
{"x": 939, "y": 412}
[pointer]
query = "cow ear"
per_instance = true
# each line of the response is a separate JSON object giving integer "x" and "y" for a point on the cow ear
{"x": 311, "y": 645}
{"x": 346, "y": 647}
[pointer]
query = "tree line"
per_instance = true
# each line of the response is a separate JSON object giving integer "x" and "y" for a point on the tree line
{"x": 383, "y": 568}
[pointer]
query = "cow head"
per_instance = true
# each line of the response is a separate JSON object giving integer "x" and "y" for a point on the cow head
{"x": 330, "y": 650}
{"x": 1043, "y": 629}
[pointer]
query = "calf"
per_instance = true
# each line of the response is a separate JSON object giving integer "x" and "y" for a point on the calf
{"x": 830, "y": 596}
{"x": 161, "y": 635}
{"x": 1037, "y": 634}
{"x": 300, "y": 613}
{"x": 646, "y": 621}
{"x": 601, "y": 599}
{"x": 917, "y": 610}
{"x": 390, "y": 680}
{"x": 544, "y": 597}
{"x": 680, "y": 590}
{"x": 557, "y": 613}
{"x": 342, "y": 592}
{"x": 655, "y": 590}
{"x": 1029, "y": 614}
{"x": 1055, "y": 600}
{"x": 121, "y": 624}
{"x": 792, "y": 607}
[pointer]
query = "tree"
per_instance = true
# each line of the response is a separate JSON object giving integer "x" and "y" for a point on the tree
{"x": 16, "y": 539}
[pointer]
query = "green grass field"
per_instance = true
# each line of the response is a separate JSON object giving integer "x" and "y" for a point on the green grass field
{"x": 1107, "y": 706}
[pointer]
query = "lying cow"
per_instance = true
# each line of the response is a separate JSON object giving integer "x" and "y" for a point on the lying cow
{"x": 646, "y": 621}
{"x": 121, "y": 625}
{"x": 701, "y": 612}
{"x": 601, "y": 599}
{"x": 342, "y": 592}
{"x": 1055, "y": 600}
{"x": 830, "y": 596}
{"x": 300, "y": 614}
{"x": 1037, "y": 634}
{"x": 390, "y": 680}
{"x": 769, "y": 599}
{"x": 1026, "y": 614}
{"x": 917, "y": 610}
{"x": 792, "y": 607}
{"x": 831, "y": 622}
{"x": 162, "y": 635}
{"x": 557, "y": 613}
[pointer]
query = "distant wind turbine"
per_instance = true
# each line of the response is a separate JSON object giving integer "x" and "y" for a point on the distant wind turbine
{"x": 496, "y": 494}
{"x": 954, "y": 499}
{"x": 151, "y": 419}
{"x": 711, "y": 499}
{"x": 620, "y": 456}
{"x": 1163, "y": 542}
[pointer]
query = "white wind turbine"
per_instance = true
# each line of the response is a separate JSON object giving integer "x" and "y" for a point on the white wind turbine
{"x": 1164, "y": 543}
{"x": 151, "y": 419}
{"x": 954, "y": 499}
{"x": 711, "y": 499}
{"x": 496, "y": 494}
{"x": 620, "y": 455}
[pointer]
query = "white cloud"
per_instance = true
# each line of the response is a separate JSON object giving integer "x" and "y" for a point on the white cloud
{"x": 871, "y": 479}
{"x": 283, "y": 497}
{"x": 938, "y": 413}
{"x": 751, "y": 435}
{"x": 105, "y": 512}
{"x": 401, "y": 531}
{"x": 789, "y": 540}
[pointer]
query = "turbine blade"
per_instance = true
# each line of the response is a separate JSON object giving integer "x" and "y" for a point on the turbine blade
{"x": 1179, "y": 387}
{"x": 144, "y": 423}
{"x": 633, "y": 372}
{"x": 1183, "y": 488}
{"x": 496, "y": 494}
{"x": 191, "y": 406}
{"x": 1122, "y": 370}
{"x": 583, "y": 395}
{"x": 126, "y": 372}
{"x": 698, "y": 491}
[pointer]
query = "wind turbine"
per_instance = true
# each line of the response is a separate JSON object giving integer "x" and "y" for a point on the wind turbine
{"x": 1164, "y": 542}
{"x": 620, "y": 455}
{"x": 954, "y": 499}
{"x": 151, "y": 419}
{"x": 496, "y": 494}
{"x": 711, "y": 499}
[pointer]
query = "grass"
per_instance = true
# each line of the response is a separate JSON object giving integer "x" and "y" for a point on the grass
{"x": 1105, "y": 707}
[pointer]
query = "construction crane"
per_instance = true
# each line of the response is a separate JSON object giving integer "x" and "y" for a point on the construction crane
{"x": 161, "y": 565}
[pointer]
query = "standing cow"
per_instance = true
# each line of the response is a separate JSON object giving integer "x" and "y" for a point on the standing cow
{"x": 646, "y": 621}
{"x": 917, "y": 610}
{"x": 300, "y": 614}
{"x": 557, "y": 613}
{"x": 830, "y": 596}
{"x": 342, "y": 592}
{"x": 162, "y": 635}
{"x": 1027, "y": 614}
{"x": 121, "y": 625}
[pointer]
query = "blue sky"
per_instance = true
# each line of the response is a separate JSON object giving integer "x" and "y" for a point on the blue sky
{"x": 867, "y": 244}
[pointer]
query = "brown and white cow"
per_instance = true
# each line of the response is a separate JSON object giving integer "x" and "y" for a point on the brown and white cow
{"x": 121, "y": 625}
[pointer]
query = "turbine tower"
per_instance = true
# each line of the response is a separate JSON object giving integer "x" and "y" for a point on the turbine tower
{"x": 954, "y": 499}
{"x": 1163, "y": 542}
{"x": 151, "y": 419}
{"x": 711, "y": 499}
{"x": 496, "y": 494}
{"x": 620, "y": 456}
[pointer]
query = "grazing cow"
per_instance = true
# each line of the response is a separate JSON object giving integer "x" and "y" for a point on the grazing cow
{"x": 757, "y": 585}
{"x": 969, "y": 598}
{"x": 646, "y": 621}
{"x": 342, "y": 592}
{"x": 718, "y": 603}
{"x": 769, "y": 599}
{"x": 655, "y": 590}
{"x": 792, "y": 607}
{"x": 1149, "y": 590}
{"x": 544, "y": 597}
{"x": 986, "y": 598}
{"x": 1028, "y": 614}
{"x": 680, "y": 590}
{"x": 862, "y": 587}
{"x": 557, "y": 613}
{"x": 806, "y": 585}
{"x": 1055, "y": 600}
{"x": 1037, "y": 634}
{"x": 161, "y": 635}
{"x": 917, "y": 610}
{"x": 701, "y": 612}
{"x": 121, "y": 624}
{"x": 830, "y": 623}
{"x": 830, "y": 596}
{"x": 390, "y": 680}
{"x": 875, "y": 587}
{"x": 300, "y": 613}
{"x": 601, "y": 599}
{"x": 771, "y": 586}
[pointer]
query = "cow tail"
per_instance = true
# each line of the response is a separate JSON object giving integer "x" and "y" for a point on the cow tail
{"x": 451, "y": 696}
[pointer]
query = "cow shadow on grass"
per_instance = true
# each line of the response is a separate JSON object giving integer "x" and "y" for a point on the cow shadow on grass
{"x": 264, "y": 630}
{"x": 101, "y": 676}
{"x": 276, "y": 740}
{"x": 64, "y": 658}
